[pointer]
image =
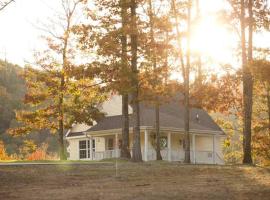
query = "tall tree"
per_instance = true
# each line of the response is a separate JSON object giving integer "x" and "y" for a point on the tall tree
{"x": 186, "y": 86}
{"x": 247, "y": 79}
{"x": 254, "y": 15}
{"x": 57, "y": 93}
{"x": 154, "y": 60}
{"x": 125, "y": 153}
{"x": 136, "y": 150}
{"x": 185, "y": 68}
{"x": 109, "y": 35}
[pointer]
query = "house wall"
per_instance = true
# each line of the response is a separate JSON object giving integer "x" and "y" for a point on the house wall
{"x": 73, "y": 147}
{"x": 100, "y": 144}
{"x": 204, "y": 146}
{"x": 204, "y": 143}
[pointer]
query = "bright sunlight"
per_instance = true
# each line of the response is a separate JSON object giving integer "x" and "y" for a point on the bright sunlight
{"x": 212, "y": 40}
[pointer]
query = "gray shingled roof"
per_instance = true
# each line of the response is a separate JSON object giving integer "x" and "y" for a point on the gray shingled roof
{"x": 171, "y": 116}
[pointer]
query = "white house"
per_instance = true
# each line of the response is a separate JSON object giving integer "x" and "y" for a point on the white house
{"x": 103, "y": 140}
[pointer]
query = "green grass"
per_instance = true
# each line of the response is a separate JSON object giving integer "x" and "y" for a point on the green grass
{"x": 49, "y": 161}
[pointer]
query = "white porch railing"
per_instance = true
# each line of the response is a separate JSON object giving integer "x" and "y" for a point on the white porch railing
{"x": 99, "y": 155}
{"x": 175, "y": 155}
{"x": 204, "y": 157}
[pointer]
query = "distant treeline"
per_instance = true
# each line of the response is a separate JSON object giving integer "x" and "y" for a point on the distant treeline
{"x": 12, "y": 91}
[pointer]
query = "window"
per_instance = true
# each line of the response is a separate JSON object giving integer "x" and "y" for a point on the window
{"x": 110, "y": 144}
{"x": 163, "y": 142}
{"x": 93, "y": 147}
{"x": 83, "y": 148}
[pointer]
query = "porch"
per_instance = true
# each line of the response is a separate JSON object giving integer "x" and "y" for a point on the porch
{"x": 204, "y": 148}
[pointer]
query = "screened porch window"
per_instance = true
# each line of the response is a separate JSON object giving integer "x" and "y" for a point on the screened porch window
{"x": 110, "y": 144}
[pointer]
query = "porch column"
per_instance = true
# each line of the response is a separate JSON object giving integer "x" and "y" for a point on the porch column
{"x": 214, "y": 149}
{"x": 91, "y": 147}
{"x": 169, "y": 147}
{"x": 194, "y": 147}
{"x": 116, "y": 145}
{"x": 145, "y": 145}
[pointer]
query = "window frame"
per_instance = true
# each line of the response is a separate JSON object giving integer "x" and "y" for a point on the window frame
{"x": 86, "y": 150}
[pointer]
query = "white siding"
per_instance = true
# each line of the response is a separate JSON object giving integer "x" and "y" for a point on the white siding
{"x": 73, "y": 149}
{"x": 204, "y": 147}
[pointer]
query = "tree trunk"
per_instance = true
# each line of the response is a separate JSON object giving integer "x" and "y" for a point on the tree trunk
{"x": 199, "y": 59}
{"x": 125, "y": 153}
{"x": 268, "y": 106}
{"x": 186, "y": 85}
{"x": 62, "y": 154}
{"x": 61, "y": 92}
{"x": 136, "y": 150}
{"x": 61, "y": 122}
{"x": 154, "y": 60}
{"x": 157, "y": 126}
{"x": 247, "y": 82}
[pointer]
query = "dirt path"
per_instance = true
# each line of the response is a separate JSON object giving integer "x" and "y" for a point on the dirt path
{"x": 151, "y": 181}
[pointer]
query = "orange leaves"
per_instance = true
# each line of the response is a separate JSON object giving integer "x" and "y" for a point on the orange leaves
{"x": 261, "y": 146}
{"x": 3, "y": 154}
{"x": 220, "y": 94}
{"x": 41, "y": 154}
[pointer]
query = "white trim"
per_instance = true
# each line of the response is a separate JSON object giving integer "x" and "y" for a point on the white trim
{"x": 145, "y": 145}
{"x": 91, "y": 148}
{"x": 67, "y": 132}
{"x": 214, "y": 149}
{"x": 116, "y": 145}
{"x": 194, "y": 147}
{"x": 76, "y": 137}
{"x": 196, "y": 131}
{"x": 169, "y": 137}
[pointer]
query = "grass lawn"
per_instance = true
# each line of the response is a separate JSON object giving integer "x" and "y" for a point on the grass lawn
{"x": 151, "y": 181}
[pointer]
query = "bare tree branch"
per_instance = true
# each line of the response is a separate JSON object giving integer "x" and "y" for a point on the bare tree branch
{"x": 5, "y": 4}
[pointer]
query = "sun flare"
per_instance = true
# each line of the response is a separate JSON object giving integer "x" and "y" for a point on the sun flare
{"x": 211, "y": 39}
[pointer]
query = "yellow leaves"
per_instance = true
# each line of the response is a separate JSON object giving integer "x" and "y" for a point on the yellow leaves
{"x": 261, "y": 70}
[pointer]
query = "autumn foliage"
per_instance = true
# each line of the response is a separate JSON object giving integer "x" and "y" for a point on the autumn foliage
{"x": 3, "y": 153}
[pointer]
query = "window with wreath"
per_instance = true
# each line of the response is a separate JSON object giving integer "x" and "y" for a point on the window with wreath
{"x": 163, "y": 141}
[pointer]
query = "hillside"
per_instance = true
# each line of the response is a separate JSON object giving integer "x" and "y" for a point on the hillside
{"x": 12, "y": 91}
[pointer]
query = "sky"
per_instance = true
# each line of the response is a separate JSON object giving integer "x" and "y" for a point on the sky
{"x": 19, "y": 35}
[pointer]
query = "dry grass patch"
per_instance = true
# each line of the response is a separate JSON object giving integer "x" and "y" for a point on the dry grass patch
{"x": 154, "y": 180}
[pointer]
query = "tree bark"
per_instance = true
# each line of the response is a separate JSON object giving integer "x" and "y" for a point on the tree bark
{"x": 247, "y": 81}
{"x": 186, "y": 85}
{"x": 199, "y": 59}
{"x": 62, "y": 88}
{"x": 154, "y": 60}
{"x": 62, "y": 154}
{"x": 136, "y": 150}
{"x": 157, "y": 126}
{"x": 268, "y": 107}
{"x": 125, "y": 153}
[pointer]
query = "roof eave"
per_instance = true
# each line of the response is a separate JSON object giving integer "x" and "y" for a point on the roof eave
{"x": 169, "y": 129}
